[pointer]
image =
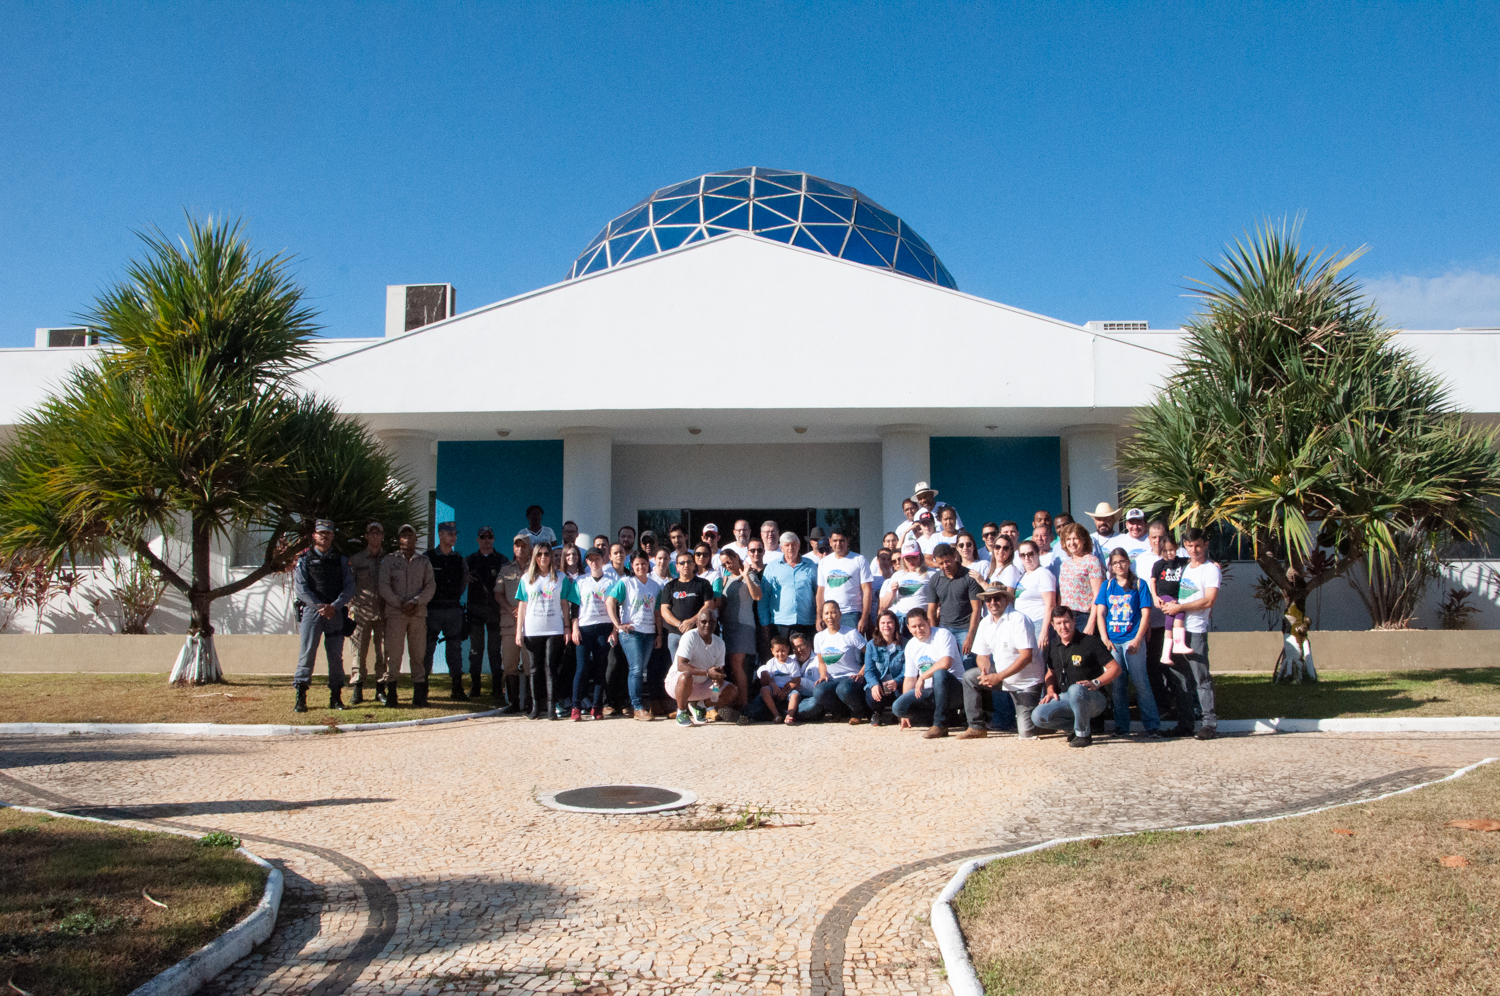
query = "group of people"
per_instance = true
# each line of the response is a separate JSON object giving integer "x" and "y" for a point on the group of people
{"x": 937, "y": 628}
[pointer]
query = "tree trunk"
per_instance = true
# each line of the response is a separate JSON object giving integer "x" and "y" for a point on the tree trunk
{"x": 198, "y": 661}
{"x": 1295, "y": 664}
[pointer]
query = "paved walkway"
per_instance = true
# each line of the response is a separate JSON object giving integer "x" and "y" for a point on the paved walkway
{"x": 418, "y": 861}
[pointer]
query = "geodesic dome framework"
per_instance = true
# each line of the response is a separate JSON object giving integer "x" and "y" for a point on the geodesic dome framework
{"x": 797, "y": 208}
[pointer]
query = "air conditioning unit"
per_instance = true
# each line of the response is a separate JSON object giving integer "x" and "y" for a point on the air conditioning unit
{"x": 66, "y": 338}
{"x": 1117, "y": 326}
{"x": 410, "y": 306}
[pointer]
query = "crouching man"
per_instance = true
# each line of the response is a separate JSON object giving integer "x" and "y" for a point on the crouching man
{"x": 697, "y": 672}
{"x": 1078, "y": 666}
{"x": 324, "y": 584}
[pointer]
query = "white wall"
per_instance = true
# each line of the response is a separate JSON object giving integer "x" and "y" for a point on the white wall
{"x": 754, "y": 475}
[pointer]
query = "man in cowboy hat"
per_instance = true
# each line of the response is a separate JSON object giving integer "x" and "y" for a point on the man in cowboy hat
{"x": 1104, "y": 516}
{"x": 324, "y": 585}
{"x": 926, "y": 498}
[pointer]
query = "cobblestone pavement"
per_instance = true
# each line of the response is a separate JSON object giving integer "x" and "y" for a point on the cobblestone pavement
{"x": 417, "y": 860}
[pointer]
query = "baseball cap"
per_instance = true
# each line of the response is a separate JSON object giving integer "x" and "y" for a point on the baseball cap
{"x": 711, "y": 528}
{"x": 375, "y": 526}
{"x": 407, "y": 527}
{"x": 485, "y": 532}
{"x": 447, "y": 527}
{"x": 1134, "y": 513}
{"x": 911, "y": 547}
{"x": 323, "y": 526}
{"x": 645, "y": 534}
{"x": 594, "y": 553}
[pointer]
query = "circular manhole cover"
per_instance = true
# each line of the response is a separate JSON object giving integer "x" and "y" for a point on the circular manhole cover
{"x": 618, "y": 799}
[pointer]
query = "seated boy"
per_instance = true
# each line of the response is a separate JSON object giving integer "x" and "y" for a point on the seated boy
{"x": 780, "y": 685}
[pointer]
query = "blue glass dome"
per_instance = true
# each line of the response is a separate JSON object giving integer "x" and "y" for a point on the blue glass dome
{"x": 775, "y": 204}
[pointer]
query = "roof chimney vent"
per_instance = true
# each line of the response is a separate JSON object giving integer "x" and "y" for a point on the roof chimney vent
{"x": 411, "y": 306}
{"x": 1117, "y": 326}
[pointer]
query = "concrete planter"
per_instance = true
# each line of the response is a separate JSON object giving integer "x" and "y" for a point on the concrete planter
{"x": 148, "y": 654}
{"x": 1366, "y": 650}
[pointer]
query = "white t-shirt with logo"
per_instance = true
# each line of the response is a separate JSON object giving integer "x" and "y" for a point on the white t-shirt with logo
{"x": 931, "y": 541}
{"x": 591, "y": 593}
{"x": 637, "y": 602}
{"x": 1029, "y": 591}
{"x": 921, "y": 655}
{"x": 913, "y": 590}
{"x": 1130, "y": 544}
{"x": 703, "y": 656}
{"x": 780, "y": 673}
{"x": 842, "y": 653}
{"x": 1002, "y": 638}
{"x": 544, "y": 598}
{"x": 842, "y": 578}
{"x": 1195, "y": 582}
{"x": 543, "y": 535}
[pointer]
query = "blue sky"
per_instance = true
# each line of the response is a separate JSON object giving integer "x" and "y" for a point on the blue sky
{"x": 1075, "y": 160}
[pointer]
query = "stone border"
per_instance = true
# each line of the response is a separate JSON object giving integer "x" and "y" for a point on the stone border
{"x": 228, "y": 729}
{"x": 189, "y": 974}
{"x": 956, "y": 962}
{"x": 685, "y": 799}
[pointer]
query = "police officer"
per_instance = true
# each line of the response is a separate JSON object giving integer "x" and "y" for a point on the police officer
{"x": 484, "y": 614}
{"x": 324, "y": 585}
{"x": 444, "y": 613}
{"x": 406, "y": 586}
{"x": 506, "y": 584}
{"x": 369, "y": 613}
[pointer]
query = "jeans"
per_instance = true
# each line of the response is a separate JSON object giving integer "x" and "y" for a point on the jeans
{"x": 546, "y": 654}
{"x": 1078, "y": 705}
{"x": 960, "y": 634}
{"x": 638, "y": 647}
{"x": 840, "y": 697}
{"x": 1002, "y": 710}
{"x": 1133, "y": 672}
{"x": 886, "y": 700}
{"x": 1157, "y": 671}
{"x": 1024, "y": 703}
{"x": 450, "y": 623}
{"x": 593, "y": 655}
{"x": 480, "y": 628}
{"x": 332, "y": 632}
{"x": 851, "y": 620}
{"x": 936, "y": 703}
{"x": 1193, "y": 667}
{"x": 976, "y": 697}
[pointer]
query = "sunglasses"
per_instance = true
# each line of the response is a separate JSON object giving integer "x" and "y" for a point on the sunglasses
{"x": 1029, "y": 553}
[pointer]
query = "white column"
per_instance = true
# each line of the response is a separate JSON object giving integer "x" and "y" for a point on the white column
{"x": 587, "y": 478}
{"x": 416, "y": 459}
{"x": 1092, "y": 476}
{"x": 905, "y": 459}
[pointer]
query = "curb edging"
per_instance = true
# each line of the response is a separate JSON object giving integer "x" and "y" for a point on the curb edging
{"x": 189, "y": 974}
{"x": 229, "y": 729}
{"x": 960, "y": 968}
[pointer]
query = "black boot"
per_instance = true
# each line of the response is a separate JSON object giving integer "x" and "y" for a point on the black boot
{"x": 301, "y": 705}
{"x": 419, "y": 695}
{"x": 512, "y": 694}
{"x": 336, "y": 699}
{"x": 476, "y": 685}
{"x": 359, "y": 693}
{"x": 380, "y": 692}
{"x": 536, "y": 684}
{"x": 458, "y": 687}
{"x": 389, "y": 699}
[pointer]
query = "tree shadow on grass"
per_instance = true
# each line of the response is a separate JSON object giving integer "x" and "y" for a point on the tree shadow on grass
{"x": 1375, "y": 694}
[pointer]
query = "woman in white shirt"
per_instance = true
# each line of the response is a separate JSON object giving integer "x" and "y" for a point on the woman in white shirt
{"x": 592, "y": 635}
{"x": 542, "y": 617}
{"x": 635, "y": 612}
{"x": 968, "y": 554}
{"x": 910, "y": 585}
{"x": 1036, "y": 593}
{"x": 840, "y": 652}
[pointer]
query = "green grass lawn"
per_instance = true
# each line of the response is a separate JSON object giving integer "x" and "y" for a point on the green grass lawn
{"x": 73, "y": 921}
{"x": 1357, "y": 899}
{"x": 245, "y": 698}
{"x": 1449, "y": 692}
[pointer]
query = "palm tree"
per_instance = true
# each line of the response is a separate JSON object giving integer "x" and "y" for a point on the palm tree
{"x": 189, "y": 423}
{"x": 1295, "y": 421}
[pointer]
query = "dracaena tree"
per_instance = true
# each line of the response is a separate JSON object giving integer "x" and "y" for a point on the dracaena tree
{"x": 1294, "y": 420}
{"x": 188, "y": 426}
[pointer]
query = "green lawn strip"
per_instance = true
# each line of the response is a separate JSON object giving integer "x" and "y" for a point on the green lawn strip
{"x": 1446, "y": 692}
{"x": 72, "y": 917}
{"x": 244, "y": 698}
{"x": 1353, "y": 900}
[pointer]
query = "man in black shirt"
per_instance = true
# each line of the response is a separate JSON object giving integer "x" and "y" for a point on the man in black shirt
{"x": 956, "y": 595}
{"x": 682, "y": 600}
{"x": 444, "y": 614}
{"x": 484, "y": 614}
{"x": 1077, "y": 667}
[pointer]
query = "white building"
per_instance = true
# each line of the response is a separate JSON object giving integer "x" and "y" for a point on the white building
{"x": 759, "y": 344}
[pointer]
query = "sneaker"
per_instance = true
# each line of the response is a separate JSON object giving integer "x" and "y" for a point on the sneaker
{"x": 1151, "y": 735}
{"x": 1206, "y": 733}
{"x": 1029, "y": 737}
{"x": 682, "y": 718}
{"x": 973, "y": 733}
{"x": 697, "y": 715}
{"x": 875, "y": 719}
{"x": 644, "y": 715}
{"x": 598, "y": 713}
{"x": 934, "y": 732}
{"x": 576, "y": 715}
{"x": 1077, "y": 741}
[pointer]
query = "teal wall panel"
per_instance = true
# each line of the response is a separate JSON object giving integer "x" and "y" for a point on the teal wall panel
{"x": 996, "y": 478}
{"x": 491, "y": 484}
